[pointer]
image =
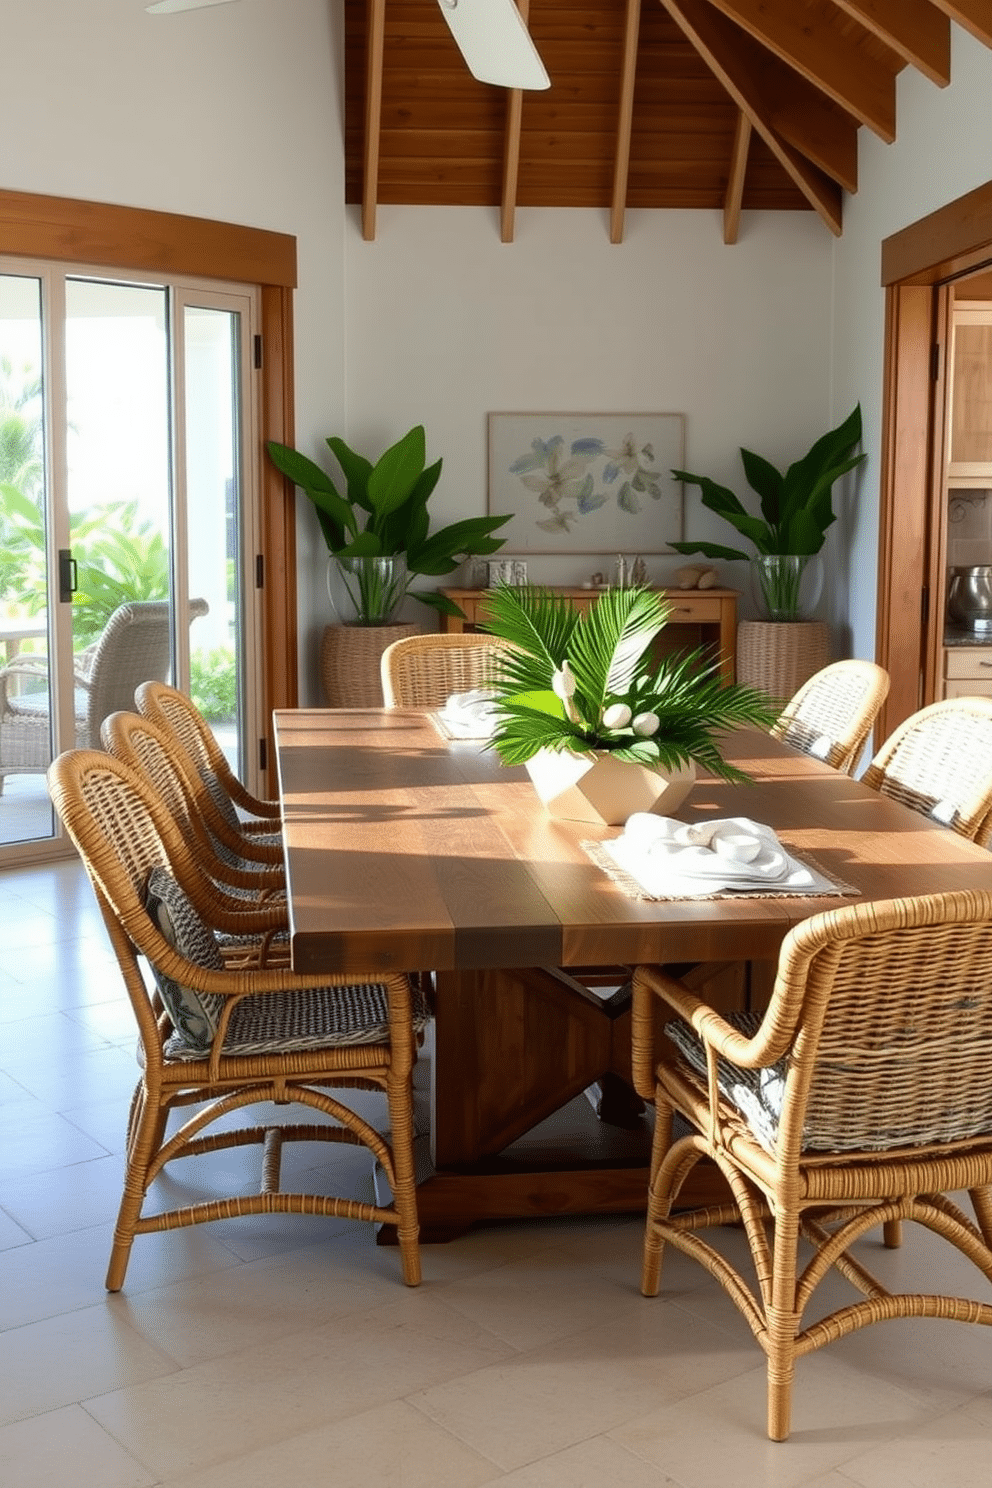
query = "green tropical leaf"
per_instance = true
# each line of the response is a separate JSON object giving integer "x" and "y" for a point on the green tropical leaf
{"x": 708, "y": 549}
{"x": 395, "y": 474}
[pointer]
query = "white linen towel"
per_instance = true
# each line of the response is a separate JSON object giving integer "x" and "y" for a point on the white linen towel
{"x": 469, "y": 715}
{"x": 677, "y": 860}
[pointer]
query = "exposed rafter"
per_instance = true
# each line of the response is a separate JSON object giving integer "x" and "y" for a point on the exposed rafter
{"x": 735, "y": 181}
{"x": 511, "y": 151}
{"x": 818, "y": 52}
{"x": 731, "y": 105}
{"x": 716, "y": 42}
{"x": 375, "y": 34}
{"x": 914, "y": 30}
{"x": 621, "y": 159}
{"x": 974, "y": 15}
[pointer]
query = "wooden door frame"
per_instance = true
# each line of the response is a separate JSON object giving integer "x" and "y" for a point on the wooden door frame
{"x": 64, "y": 230}
{"x": 917, "y": 264}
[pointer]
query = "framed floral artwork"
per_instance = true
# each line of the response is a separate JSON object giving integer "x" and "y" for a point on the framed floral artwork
{"x": 587, "y": 482}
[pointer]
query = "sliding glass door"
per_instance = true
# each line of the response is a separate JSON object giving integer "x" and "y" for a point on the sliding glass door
{"x": 127, "y": 527}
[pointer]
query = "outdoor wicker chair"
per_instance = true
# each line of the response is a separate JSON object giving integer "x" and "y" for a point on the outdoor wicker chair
{"x": 832, "y": 715}
{"x": 215, "y": 1039}
{"x": 178, "y": 714}
{"x": 939, "y": 762}
{"x": 135, "y": 644}
{"x": 859, "y": 1098}
{"x": 423, "y": 671}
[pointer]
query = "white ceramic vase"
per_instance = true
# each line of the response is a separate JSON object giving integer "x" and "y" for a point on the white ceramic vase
{"x": 605, "y": 790}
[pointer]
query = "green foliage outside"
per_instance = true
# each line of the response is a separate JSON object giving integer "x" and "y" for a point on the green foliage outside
{"x": 214, "y": 683}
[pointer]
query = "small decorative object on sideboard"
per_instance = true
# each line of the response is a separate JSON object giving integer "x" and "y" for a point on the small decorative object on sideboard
{"x": 603, "y": 729}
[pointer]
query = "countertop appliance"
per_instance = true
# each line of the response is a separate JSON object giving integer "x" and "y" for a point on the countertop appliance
{"x": 969, "y": 598}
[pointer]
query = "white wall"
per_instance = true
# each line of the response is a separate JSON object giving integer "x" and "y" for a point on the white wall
{"x": 943, "y": 149}
{"x": 235, "y": 112}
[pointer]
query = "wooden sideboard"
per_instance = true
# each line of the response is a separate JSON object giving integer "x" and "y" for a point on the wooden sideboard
{"x": 700, "y": 617}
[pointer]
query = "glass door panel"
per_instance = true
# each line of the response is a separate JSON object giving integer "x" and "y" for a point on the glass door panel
{"x": 119, "y": 497}
{"x": 212, "y": 403}
{"x": 26, "y": 706}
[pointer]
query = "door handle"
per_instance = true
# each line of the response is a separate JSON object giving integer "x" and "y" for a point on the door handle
{"x": 67, "y": 576}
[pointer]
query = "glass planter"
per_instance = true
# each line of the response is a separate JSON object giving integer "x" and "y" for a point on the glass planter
{"x": 786, "y": 586}
{"x": 366, "y": 591}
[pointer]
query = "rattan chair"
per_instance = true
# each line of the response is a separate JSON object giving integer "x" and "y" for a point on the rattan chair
{"x": 832, "y": 715}
{"x": 178, "y": 714}
{"x": 229, "y": 857}
{"x": 860, "y": 1097}
{"x": 423, "y": 671}
{"x": 135, "y": 644}
{"x": 939, "y": 762}
{"x": 216, "y": 1039}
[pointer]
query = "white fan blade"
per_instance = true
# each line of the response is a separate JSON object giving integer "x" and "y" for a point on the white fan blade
{"x": 495, "y": 43}
{"x": 168, "y": 7}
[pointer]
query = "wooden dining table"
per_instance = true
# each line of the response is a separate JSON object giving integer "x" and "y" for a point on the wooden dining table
{"x": 408, "y": 851}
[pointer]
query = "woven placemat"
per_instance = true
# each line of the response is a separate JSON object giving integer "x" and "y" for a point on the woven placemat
{"x": 625, "y": 881}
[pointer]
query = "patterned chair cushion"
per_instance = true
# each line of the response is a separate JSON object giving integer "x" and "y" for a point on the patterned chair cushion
{"x": 756, "y": 1093}
{"x": 195, "y": 1015}
{"x": 300, "y": 1019}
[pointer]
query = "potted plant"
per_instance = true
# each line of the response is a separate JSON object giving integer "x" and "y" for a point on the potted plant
{"x": 378, "y": 540}
{"x": 796, "y": 510}
{"x": 602, "y": 727}
{"x": 377, "y": 529}
{"x": 784, "y": 649}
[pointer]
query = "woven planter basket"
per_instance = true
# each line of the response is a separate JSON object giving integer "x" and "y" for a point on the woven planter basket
{"x": 350, "y": 657}
{"x": 778, "y": 656}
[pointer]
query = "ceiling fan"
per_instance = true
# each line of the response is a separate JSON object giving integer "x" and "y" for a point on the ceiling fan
{"x": 490, "y": 34}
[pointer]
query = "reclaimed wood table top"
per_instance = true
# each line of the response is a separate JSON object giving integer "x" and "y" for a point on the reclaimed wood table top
{"x": 405, "y": 850}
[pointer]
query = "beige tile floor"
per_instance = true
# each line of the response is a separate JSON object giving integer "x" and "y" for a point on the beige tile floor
{"x": 256, "y": 1354}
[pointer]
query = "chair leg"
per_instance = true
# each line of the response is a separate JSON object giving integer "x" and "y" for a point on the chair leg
{"x": 658, "y": 1204}
{"x": 892, "y": 1234}
{"x": 782, "y": 1325}
{"x": 405, "y": 1194}
{"x": 146, "y": 1126}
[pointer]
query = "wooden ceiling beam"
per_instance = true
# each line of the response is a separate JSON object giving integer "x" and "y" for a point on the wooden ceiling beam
{"x": 511, "y": 160}
{"x": 718, "y": 43}
{"x": 917, "y": 32}
{"x": 808, "y": 121}
{"x": 625, "y": 121}
{"x": 974, "y": 15}
{"x": 511, "y": 150}
{"x": 820, "y": 54}
{"x": 374, "y": 44}
{"x": 735, "y": 181}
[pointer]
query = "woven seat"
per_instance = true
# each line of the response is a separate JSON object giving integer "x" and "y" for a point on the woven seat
{"x": 216, "y": 1038}
{"x": 423, "y": 671}
{"x": 861, "y": 1098}
{"x": 939, "y": 763}
{"x": 174, "y": 712}
{"x": 135, "y": 644}
{"x": 832, "y": 715}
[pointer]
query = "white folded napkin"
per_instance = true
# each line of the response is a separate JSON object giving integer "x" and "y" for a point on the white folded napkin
{"x": 470, "y": 715}
{"x": 672, "y": 859}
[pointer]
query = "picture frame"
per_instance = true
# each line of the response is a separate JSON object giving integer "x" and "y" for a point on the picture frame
{"x": 592, "y": 483}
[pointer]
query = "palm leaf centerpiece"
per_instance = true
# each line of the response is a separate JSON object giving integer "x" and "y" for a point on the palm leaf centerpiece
{"x": 587, "y": 683}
